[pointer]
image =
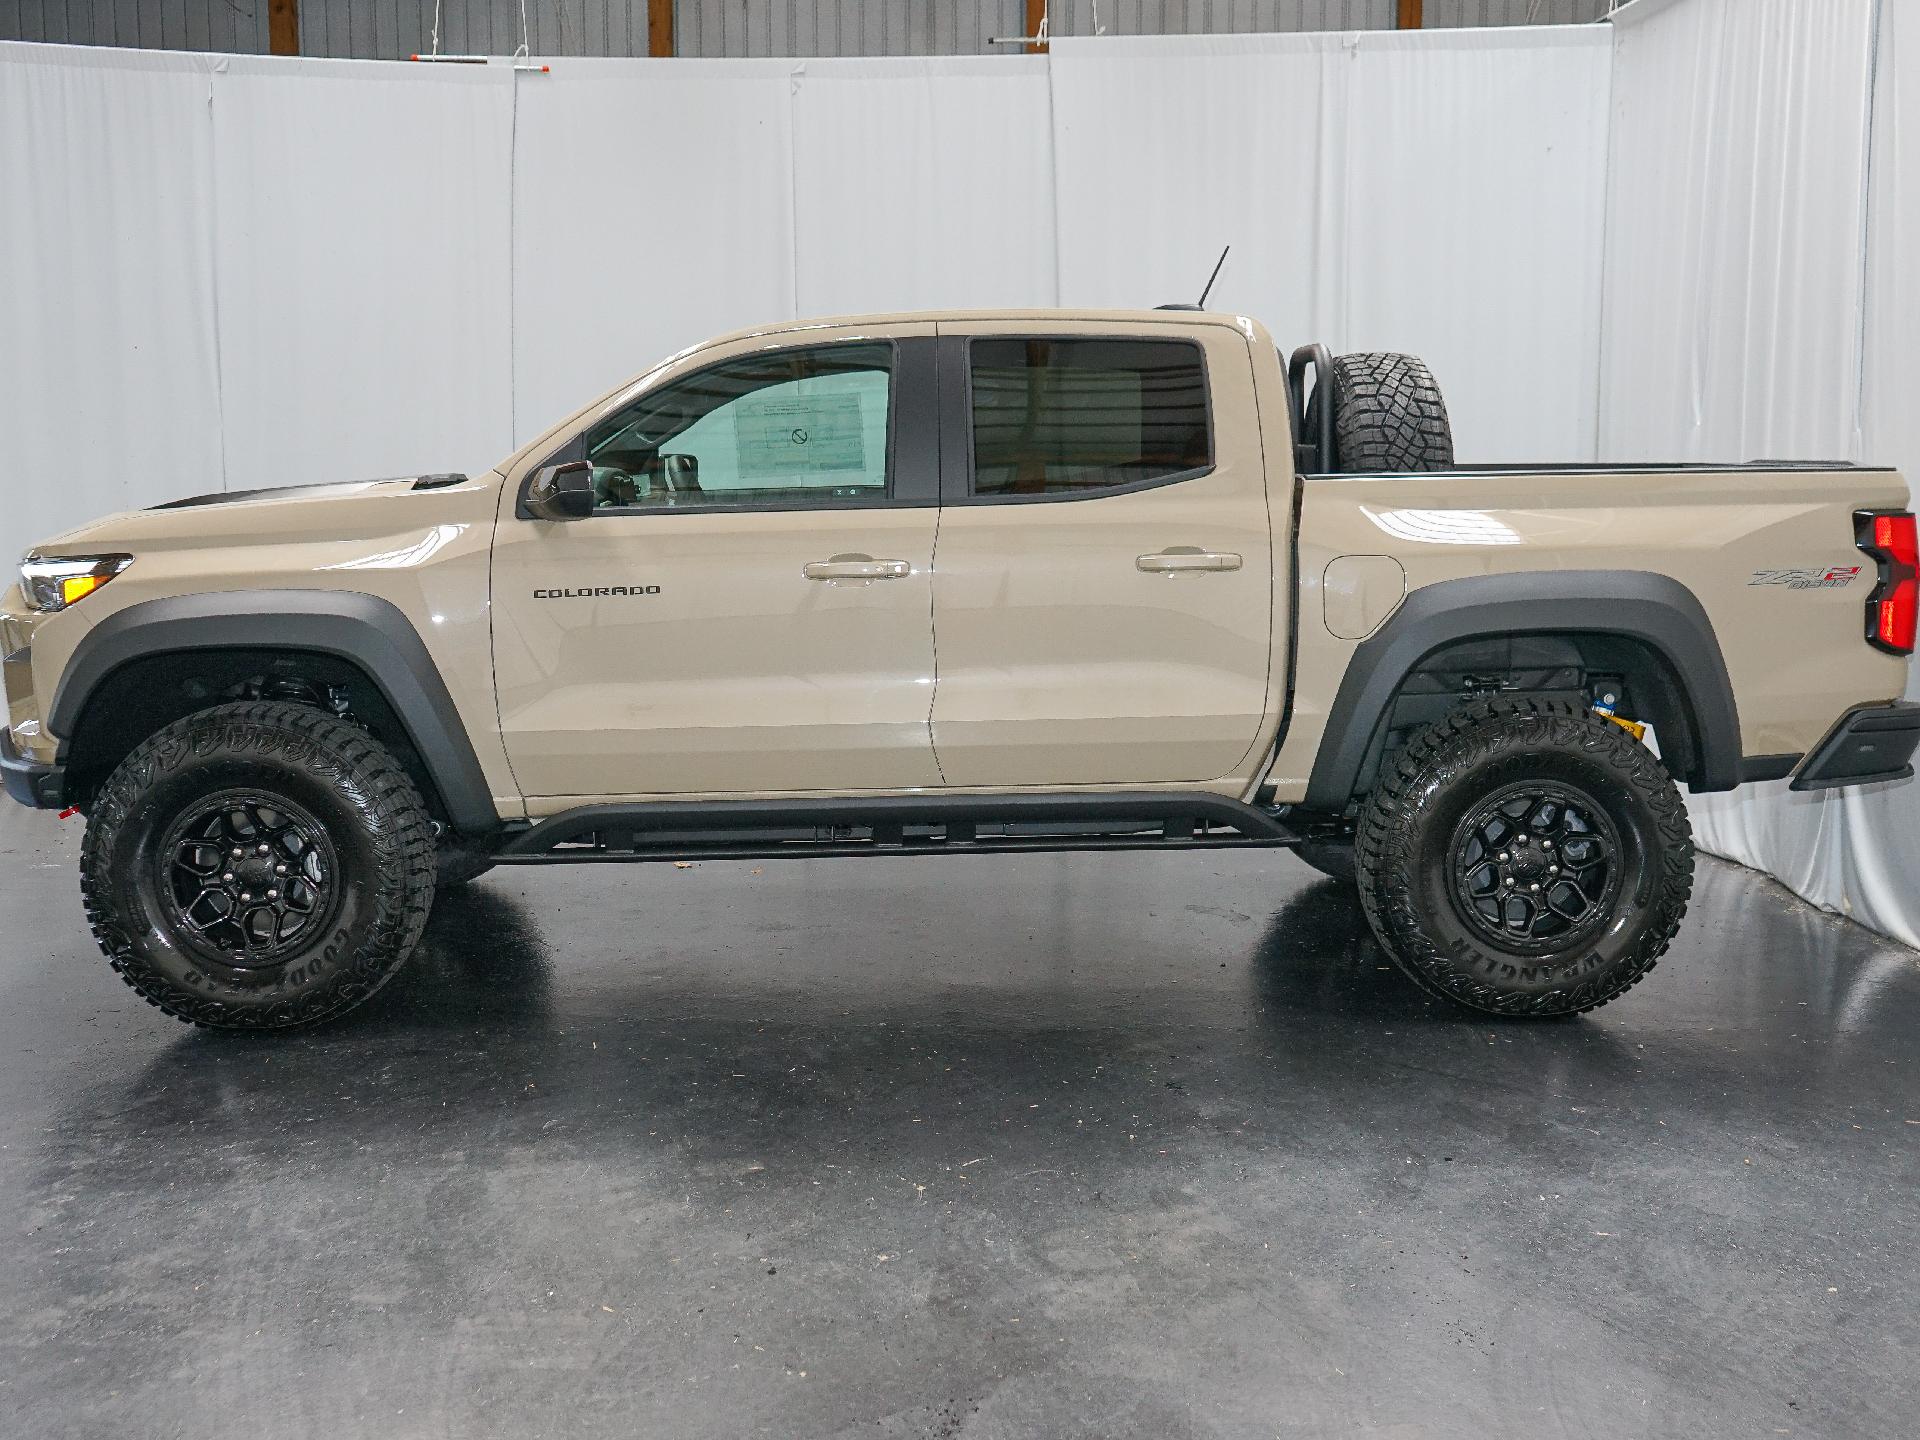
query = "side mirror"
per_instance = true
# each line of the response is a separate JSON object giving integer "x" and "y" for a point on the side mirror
{"x": 562, "y": 492}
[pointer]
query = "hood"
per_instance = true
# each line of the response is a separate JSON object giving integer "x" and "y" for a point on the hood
{"x": 292, "y": 513}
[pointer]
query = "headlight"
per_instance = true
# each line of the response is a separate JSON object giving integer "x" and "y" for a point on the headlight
{"x": 56, "y": 584}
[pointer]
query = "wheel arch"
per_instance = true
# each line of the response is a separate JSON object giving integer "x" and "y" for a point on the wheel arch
{"x": 1650, "y": 626}
{"x": 361, "y": 633}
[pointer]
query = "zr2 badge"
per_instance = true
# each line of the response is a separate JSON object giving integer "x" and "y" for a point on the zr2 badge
{"x": 1833, "y": 577}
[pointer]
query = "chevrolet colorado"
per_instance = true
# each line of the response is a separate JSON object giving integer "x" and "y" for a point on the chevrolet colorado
{"x": 943, "y": 585}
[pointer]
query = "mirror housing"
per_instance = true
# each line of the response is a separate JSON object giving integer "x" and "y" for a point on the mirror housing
{"x": 561, "y": 492}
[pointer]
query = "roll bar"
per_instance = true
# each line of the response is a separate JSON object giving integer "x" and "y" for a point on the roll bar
{"x": 1312, "y": 423}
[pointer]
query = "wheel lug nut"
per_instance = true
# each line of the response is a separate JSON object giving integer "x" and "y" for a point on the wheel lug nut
{"x": 1553, "y": 869}
{"x": 238, "y": 852}
{"x": 279, "y": 869}
{"x": 273, "y": 894}
{"x": 245, "y": 896}
{"x": 1546, "y": 844}
{"x": 1501, "y": 857}
{"x": 227, "y": 878}
{"x": 263, "y": 849}
{"x": 1534, "y": 886}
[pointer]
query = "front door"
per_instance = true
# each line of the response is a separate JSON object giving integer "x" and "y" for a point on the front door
{"x": 748, "y": 607}
{"x": 1103, "y": 583}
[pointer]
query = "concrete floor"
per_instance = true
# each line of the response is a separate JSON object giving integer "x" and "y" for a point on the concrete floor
{"x": 1014, "y": 1146}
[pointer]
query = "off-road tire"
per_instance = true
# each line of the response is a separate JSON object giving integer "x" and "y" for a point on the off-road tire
{"x": 456, "y": 865}
{"x": 1332, "y": 858}
{"x": 1388, "y": 414}
{"x": 1414, "y": 874}
{"x": 374, "y": 837}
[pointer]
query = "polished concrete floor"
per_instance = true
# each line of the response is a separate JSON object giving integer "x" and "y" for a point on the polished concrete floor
{"x": 1013, "y": 1146}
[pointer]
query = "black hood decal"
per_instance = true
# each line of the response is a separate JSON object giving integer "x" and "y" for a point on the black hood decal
{"x": 285, "y": 492}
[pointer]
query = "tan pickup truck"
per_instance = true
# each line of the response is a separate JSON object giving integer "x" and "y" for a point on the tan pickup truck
{"x": 948, "y": 585}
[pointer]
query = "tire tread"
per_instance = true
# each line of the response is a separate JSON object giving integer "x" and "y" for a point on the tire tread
{"x": 1387, "y": 836}
{"x": 340, "y": 753}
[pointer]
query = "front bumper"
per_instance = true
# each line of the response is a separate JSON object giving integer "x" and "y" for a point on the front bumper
{"x": 1868, "y": 743}
{"x": 44, "y": 787}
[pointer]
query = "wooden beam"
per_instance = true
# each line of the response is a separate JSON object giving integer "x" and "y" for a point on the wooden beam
{"x": 660, "y": 29}
{"x": 1036, "y": 16}
{"x": 1410, "y": 16}
{"x": 283, "y": 27}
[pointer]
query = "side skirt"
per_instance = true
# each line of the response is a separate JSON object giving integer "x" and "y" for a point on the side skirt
{"x": 895, "y": 825}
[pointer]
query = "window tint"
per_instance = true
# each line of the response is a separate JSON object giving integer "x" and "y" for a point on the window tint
{"x": 1063, "y": 417}
{"x": 790, "y": 428}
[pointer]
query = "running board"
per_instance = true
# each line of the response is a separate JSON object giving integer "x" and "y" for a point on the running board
{"x": 895, "y": 825}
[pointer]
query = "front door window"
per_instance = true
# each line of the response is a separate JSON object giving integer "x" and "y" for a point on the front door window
{"x": 792, "y": 429}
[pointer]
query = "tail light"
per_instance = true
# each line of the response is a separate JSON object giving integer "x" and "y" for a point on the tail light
{"x": 1888, "y": 536}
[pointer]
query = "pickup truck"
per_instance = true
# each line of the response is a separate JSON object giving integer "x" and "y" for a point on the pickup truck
{"x": 952, "y": 584}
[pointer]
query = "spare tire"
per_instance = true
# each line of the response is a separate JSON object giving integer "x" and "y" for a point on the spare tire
{"x": 1388, "y": 414}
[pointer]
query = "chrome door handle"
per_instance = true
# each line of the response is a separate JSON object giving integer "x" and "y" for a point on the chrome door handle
{"x": 1180, "y": 559}
{"x": 856, "y": 567}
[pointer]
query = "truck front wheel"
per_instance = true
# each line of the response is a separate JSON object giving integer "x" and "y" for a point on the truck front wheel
{"x": 1525, "y": 858}
{"x": 258, "y": 866}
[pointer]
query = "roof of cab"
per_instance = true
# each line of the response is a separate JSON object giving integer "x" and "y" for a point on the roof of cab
{"x": 1015, "y": 318}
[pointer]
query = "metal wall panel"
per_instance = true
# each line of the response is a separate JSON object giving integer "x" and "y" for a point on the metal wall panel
{"x": 742, "y": 28}
{"x": 230, "y": 26}
{"x": 1451, "y": 13}
{"x": 759, "y": 28}
{"x": 1215, "y": 17}
{"x": 394, "y": 29}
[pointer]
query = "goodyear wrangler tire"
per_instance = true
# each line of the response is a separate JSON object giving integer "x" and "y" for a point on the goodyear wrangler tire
{"x": 258, "y": 866}
{"x": 1388, "y": 414}
{"x": 1525, "y": 858}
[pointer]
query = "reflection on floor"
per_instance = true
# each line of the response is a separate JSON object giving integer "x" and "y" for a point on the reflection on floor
{"x": 1011, "y": 1146}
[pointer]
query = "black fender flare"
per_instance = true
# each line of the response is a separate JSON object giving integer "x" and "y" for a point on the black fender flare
{"x": 1654, "y": 610}
{"x": 362, "y": 629}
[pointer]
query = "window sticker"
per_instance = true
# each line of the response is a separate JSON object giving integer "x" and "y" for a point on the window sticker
{"x": 799, "y": 435}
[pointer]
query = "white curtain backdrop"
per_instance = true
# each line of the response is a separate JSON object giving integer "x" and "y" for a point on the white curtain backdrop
{"x": 1440, "y": 192}
{"x": 1669, "y": 237}
{"x": 109, "y": 370}
{"x": 652, "y": 207}
{"x": 922, "y": 184}
{"x": 362, "y": 268}
{"x": 1751, "y": 229}
{"x": 251, "y": 271}
{"x": 1737, "y": 202}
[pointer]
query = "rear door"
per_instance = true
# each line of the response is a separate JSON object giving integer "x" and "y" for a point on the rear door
{"x": 1103, "y": 573}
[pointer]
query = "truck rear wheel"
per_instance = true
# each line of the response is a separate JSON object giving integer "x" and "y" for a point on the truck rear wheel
{"x": 258, "y": 866}
{"x": 1525, "y": 858}
{"x": 1388, "y": 414}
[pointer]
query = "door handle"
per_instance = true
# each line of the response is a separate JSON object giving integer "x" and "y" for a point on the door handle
{"x": 856, "y": 567}
{"x": 1181, "y": 559}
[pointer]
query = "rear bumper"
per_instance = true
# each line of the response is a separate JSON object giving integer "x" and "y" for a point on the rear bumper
{"x": 1868, "y": 743}
{"x": 44, "y": 787}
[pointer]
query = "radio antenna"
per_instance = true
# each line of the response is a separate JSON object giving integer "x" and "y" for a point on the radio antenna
{"x": 1211, "y": 278}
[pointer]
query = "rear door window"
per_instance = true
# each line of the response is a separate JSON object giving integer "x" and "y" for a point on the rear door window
{"x": 1067, "y": 417}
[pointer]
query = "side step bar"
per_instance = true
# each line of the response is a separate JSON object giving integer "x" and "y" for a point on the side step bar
{"x": 895, "y": 825}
